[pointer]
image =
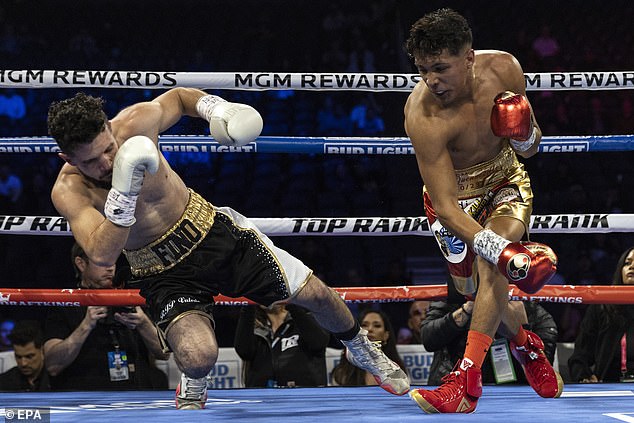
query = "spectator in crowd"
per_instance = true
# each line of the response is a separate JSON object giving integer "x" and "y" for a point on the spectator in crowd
{"x": 571, "y": 315}
{"x": 12, "y": 105}
{"x": 332, "y": 119}
{"x": 29, "y": 374}
{"x": 373, "y": 125}
{"x": 361, "y": 58}
{"x": 623, "y": 122}
{"x": 99, "y": 347}
{"x": 380, "y": 332}
{"x": 281, "y": 345}
{"x": 411, "y": 334}
{"x": 604, "y": 348}
{"x": 6, "y": 327}
{"x": 546, "y": 47}
{"x": 444, "y": 331}
{"x": 10, "y": 189}
{"x": 365, "y": 117}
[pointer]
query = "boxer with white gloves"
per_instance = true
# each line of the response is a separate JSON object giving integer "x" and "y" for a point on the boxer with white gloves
{"x": 231, "y": 124}
{"x": 136, "y": 156}
{"x": 183, "y": 250}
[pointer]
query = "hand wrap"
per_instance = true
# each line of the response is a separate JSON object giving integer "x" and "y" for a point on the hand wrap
{"x": 529, "y": 265}
{"x": 135, "y": 156}
{"x": 119, "y": 208}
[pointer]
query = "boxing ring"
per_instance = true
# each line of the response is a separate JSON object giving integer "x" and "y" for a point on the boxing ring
{"x": 599, "y": 402}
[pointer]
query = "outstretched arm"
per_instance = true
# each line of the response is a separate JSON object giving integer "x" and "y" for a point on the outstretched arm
{"x": 150, "y": 118}
{"x": 229, "y": 123}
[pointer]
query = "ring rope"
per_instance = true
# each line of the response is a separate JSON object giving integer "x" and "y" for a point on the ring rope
{"x": 381, "y": 226}
{"x": 352, "y": 226}
{"x": 568, "y": 294}
{"x": 260, "y": 81}
{"x": 326, "y": 145}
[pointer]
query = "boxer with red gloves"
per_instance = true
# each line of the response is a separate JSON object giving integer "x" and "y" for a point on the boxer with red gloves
{"x": 468, "y": 119}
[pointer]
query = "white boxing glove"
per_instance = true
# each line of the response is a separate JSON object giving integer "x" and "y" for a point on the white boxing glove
{"x": 231, "y": 124}
{"x": 134, "y": 157}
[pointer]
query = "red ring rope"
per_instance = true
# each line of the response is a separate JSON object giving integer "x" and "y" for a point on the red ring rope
{"x": 585, "y": 294}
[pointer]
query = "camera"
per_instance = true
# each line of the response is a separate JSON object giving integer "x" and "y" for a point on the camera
{"x": 109, "y": 319}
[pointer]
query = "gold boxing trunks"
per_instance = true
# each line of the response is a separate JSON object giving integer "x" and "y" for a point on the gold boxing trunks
{"x": 177, "y": 243}
{"x": 495, "y": 188}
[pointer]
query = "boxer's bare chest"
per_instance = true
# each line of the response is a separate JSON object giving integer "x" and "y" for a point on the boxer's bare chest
{"x": 470, "y": 139}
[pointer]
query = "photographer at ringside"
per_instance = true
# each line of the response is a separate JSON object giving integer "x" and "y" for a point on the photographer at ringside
{"x": 100, "y": 347}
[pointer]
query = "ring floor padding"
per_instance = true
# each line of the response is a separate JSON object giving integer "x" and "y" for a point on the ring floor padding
{"x": 579, "y": 403}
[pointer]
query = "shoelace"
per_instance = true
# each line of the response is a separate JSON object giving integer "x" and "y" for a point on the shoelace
{"x": 374, "y": 359}
{"x": 194, "y": 389}
{"x": 447, "y": 387}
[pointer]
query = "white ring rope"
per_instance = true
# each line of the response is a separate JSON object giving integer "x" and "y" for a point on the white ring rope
{"x": 352, "y": 226}
{"x": 263, "y": 81}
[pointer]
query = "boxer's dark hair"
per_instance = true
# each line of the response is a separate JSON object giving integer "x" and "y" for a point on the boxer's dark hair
{"x": 77, "y": 120}
{"x": 444, "y": 29}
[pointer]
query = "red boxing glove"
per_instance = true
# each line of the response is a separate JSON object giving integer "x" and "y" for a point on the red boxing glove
{"x": 511, "y": 117}
{"x": 529, "y": 265}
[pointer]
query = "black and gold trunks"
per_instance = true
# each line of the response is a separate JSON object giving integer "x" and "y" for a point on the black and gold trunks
{"x": 177, "y": 243}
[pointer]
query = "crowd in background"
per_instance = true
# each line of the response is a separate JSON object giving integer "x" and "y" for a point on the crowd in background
{"x": 327, "y": 36}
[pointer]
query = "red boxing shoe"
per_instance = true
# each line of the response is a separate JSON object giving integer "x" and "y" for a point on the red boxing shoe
{"x": 458, "y": 394}
{"x": 538, "y": 370}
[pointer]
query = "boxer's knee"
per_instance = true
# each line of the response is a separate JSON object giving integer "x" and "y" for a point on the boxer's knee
{"x": 196, "y": 362}
{"x": 194, "y": 345}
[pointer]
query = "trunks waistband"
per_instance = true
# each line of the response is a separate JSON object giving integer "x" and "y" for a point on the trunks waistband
{"x": 177, "y": 243}
{"x": 475, "y": 180}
